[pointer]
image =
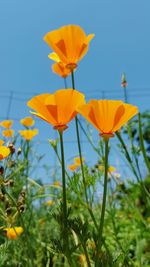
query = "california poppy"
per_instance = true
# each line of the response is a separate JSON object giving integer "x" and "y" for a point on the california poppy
{"x": 8, "y": 133}
{"x": 13, "y": 232}
{"x": 57, "y": 109}
{"x": 27, "y": 121}
{"x": 28, "y": 134}
{"x": 4, "y": 152}
{"x": 107, "y": 116}
{"x": 70, "y": 43}
{"x": 61, "y": 70}
{"x": 6, "y": 123}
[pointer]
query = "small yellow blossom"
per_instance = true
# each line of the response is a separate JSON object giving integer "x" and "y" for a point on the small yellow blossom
{"x": 78, "y": 161}
{"x": 57, "y": 184}
{"x": 27, "y": 121}
{"x": 8, "y": 133}
{"x": 13, "y": 232}
{"x": 1, "y": 142}
{"x": 6, "y": 124}
{"x": 111, "y": 169}
{"x": 28, "y": 134}
{"x": 4, "y": 152}
{"x": 50, "y": 202}
{"x": 73, "y": 167}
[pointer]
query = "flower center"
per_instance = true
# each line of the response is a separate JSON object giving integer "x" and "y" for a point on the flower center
{"x": 60, "y": 128}
{"x": 106, "y": 136}
{"x": 71, "y": 66}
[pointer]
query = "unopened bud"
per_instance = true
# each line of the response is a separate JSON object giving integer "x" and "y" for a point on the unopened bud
{"x": 12, "y": 148}
{"x": 19, "y": 151}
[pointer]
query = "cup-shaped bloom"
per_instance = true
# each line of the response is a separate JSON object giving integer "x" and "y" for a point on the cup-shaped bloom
{"x": 27, "y": 121}
{"x": 107, "y": 116}
{"x": 70, "y": 43}
{"x": 4, "y": 152}
{"x": 6, "y": 124}
{"x": 57, "y": 109}
{"x": 28, "y": 134}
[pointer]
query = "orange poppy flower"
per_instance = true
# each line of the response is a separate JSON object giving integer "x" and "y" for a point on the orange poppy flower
{"x": 4, "y": 152}
{"x": 57, "y": 109}
{"x": 107, "y": 116}
{"x": 28, "y": 134}
{"x": 8, "y": 133}
{"x": 61, "y": 70}
{"x": 13, "y": 232}
{"x": 6, "y": 124}
{"x": 27, "y": 121}
{"x": 70, "y": 44}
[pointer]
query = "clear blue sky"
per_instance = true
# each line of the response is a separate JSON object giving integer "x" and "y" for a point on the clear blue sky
{"x": 121, "y": 43}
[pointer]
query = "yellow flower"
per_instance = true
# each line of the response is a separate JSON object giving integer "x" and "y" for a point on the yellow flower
{"x": 73, "y": 167}
{"x": 13, "y": 232}
{"x": 8, "y": 133}
{"x": 107, "y": 116}
{"x": 4, "y": 152}
{"x": 28, "y": 134}
{"x": 70, "y": 43}
{"x": 6, "y": 124}
{"x": 57, "y": 184}
{"x": 78, "y": 161}
{"x": 50, "y": 202}
{"x": 111, "y": 169}
{"x": 1, "y": 142}
{"x": 27, "y": 121}
{"x": 61, "y": 70}
{"x": 57, "y": 109}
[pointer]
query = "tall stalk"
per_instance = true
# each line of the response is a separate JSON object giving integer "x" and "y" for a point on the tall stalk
{"x": 64, "y": 204}
{"x": 100, "y": 230}
{"x": 81, "y": 160}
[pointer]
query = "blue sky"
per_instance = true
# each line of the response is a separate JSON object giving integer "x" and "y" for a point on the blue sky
{"x": 121, "y": 44}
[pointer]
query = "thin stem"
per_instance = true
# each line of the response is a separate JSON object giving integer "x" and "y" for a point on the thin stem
{"x": 64, "y": 204}
{"x": 127, "y": 155}
{"x": 81, "y": 160}
{"x": 89, "y": 139}
{"x": 72, "y": 78}
{"x": 142, "y": 144}
{"x": 65, "y": 83}
{"x": 125, "y": 94}
{"x": 131, "y": 164}
{"x": 100, "y": 231}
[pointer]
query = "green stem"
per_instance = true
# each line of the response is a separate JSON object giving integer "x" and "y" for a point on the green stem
{"x": 127, "y": 155}
{"x": 131, "y": 164}
{"x": 65, "y": 83}
{"x": 125, "y": 94}
{"x": 100, "y": 231}
{"x": 64, "y": 204}
{"x": 89, "y": 139}
{"x": 142, "y": 144}
{"x": 80, "y": 155}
